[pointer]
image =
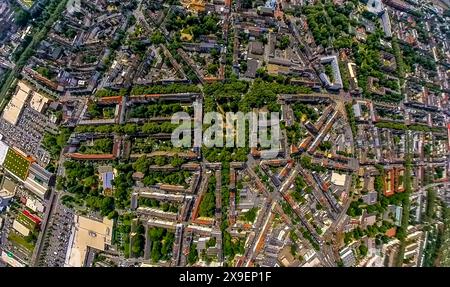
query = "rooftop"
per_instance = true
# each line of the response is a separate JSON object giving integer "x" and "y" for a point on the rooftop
{"x": 38, "y": 102}
{"x": 338, "y": 179}
{"x": 14, "y": 108}
{"x": 89, "y": 233}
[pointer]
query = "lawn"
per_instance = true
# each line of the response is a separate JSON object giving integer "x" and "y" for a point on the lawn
{"x": 28, "y": 3}
{"x": 98, "y": 146}
{"x": 25, "y": 221}
{"x": 21, "y": 241}
{"x": 16, "y": 164}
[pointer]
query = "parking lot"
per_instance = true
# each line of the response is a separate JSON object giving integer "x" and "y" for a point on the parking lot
{"x": 28, "y": 134}
{"x": 32, "y": 119}
{"x": 56, "y": 244}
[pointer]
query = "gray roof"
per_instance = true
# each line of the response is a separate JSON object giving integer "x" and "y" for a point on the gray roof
{"x": 257, "y": 48}
{"x": 333, "y": 61}
{"x": 386, "y": 23}
{"x": 252, "y": 66}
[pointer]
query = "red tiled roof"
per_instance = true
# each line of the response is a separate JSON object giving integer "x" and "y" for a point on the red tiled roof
{"x": 391, "y": 232}
{"x": 113, "y": 99}
{"x": 90, "y": 156}
{"x": 32, "y": 217}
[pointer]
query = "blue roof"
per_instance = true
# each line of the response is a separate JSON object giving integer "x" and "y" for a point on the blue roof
{"x": 270, "y": 4}
{"x": 107, "y": 178}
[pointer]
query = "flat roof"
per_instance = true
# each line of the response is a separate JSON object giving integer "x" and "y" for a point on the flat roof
{"x": 107, "y": 179}
{"x": 38, "y": 102}
{"x": 16, "y": 164}
{"x": 40, "y": 173}
{"x": 8, "y": 187}
{"x": 105, "y": 168}
{"x": 35, "y": 187}
{"x": 14, "y": 108}
{"x": 8, "y": 258}
{"x": 338, "y": 179}
{"x": 19, "y": 227}
{"x": 89, "y": 233}
{"x": 3, "y": 151}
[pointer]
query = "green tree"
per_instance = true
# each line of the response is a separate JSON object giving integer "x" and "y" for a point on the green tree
{"x": 211, "y": 242}
{"x": 107, "y": 205}
{"x": 156, "y": 253}
{"x": 193, "y": 254}
{"x": 157, "y": 38}
{"x": 208, "y": 204}
{"x": 284, "y": 42}
{"x": 141, "y": 164}
{"x": 363, "y": 250}
{"x": 250, "y": 215}
{"x": 21, "y": 17}
{"x": 176, "y": 161}
{"x": 212, "y": 69}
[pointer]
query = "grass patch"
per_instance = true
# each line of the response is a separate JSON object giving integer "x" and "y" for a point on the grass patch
{"x": 25, "y": 221}
{"x": 27, "y": 3}
{"x": 16, "y": 164}
{"x": 21, "y": 241}
{"x": 98, "y": 146}
{"x": 250, "y": 215}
